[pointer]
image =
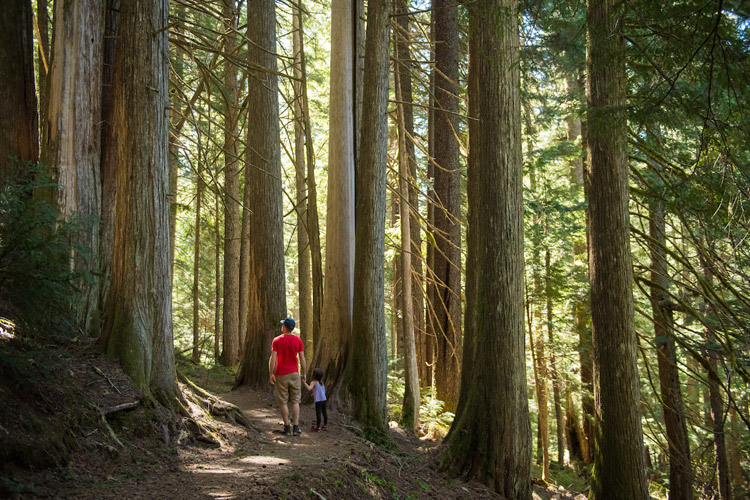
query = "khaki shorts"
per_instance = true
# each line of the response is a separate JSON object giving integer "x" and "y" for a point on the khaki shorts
{"x": 288, "y": 388}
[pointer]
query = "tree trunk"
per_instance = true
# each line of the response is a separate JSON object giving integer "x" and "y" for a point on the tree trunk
{"x": 232, "y": 304}
{"x": 218, "y": 281}
{"x": 196, "y": 355}
{"x": 331, "y": 349}
{"x": 175, "y": 117}
{"x": 366, "y": 380}
{"x": 138, "y": 321}
{"x": 553, "y": 368}
{"x": 573, "y": 431}
{"x": 110, "y": 158}
{"x": 267, "y": 293}
{"x": 619, "y": 469}
{"x": 73, "y": 141}
{"x": 738, "y": 480}
{"x": 19, "y": 135}
{"x": 680, "y": 469}
{"x": 410, "y": 407}
{"x": 490, "y": 439}
{"x": 447, "y": 211}
{"x": 540, "y": 377}
{"x": 303, "y": 229}
{"x": 44, "y": 64}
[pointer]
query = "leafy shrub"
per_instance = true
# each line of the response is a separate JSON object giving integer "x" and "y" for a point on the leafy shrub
{"x": 37, "y": 284}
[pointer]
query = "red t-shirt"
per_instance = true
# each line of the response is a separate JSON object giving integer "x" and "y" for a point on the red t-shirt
{"x": 287, "y": 346}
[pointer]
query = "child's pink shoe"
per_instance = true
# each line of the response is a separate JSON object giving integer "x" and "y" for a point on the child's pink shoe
{"x": 315, "y": 429}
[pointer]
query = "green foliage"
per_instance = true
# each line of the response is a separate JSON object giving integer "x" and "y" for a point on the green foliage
{"x": 36, "y": 281}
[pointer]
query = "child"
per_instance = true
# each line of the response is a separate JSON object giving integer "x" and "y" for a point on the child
{"x": 319, "y": 393}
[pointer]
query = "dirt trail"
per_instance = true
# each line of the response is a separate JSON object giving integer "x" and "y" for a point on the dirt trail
{"x": 261, "y": 464}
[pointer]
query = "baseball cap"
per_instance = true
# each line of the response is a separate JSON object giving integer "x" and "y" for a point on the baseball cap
{"x": 288, "y": 323}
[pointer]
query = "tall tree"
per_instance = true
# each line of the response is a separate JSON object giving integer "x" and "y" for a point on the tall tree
{"x": 73, "y": 140}
{"x": 196, "y": 354}
{"x": 232, "y": 304}
{"x": 138, "y": 321}
{"x": 446, "y": 264}
{"x": 43, "y": 69}
{"x": 366, "y": 381}
{"x": 490, "y": 437}
{"x": 678, "y": 447}
{"x": 332, "y": 347}
{"x": 267, "y": 292}
{"x": 619, "y": 469}
{"x": 19, "y": 136}
{"x": 410, "y": 406}
{"x": 301, "y": 136}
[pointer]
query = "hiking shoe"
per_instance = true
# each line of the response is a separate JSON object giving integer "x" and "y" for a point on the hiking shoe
{"x": 296, "y": 431}
{"x": 314, "y": 429}
{"x": 324, "y": 428}
{"x": 286, "y": 430}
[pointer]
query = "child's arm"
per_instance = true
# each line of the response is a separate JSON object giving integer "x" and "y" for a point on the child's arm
{"x": 309, "y": 387}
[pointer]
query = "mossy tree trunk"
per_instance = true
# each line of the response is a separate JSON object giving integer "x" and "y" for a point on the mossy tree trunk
{"x": 366, "y": 373}
{"x": 619, "y": 469}
{"x": 490, "y": 439}
{"x": 138, "y": 321}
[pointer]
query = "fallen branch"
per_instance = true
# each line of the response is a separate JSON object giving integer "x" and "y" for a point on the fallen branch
{"x": 123, "y": 407}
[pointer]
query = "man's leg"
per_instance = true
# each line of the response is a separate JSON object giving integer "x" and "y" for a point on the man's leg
{"x": 285, "y": 413}
{"x": 295, "y": 413}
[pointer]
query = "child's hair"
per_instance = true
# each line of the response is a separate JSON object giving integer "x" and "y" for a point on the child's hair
{"x": 317, "y": 374}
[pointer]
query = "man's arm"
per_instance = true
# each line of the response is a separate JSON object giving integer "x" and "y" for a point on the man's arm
{"x": 272, "y": 367}
{"x": 302, "y": 364}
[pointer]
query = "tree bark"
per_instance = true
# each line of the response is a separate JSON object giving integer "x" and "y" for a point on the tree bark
{"x": 19, "y": 135}
{"x": 553, "y": 368}
{"x": 300, "y": 137}
{"x": 44, "y": 64}
{"x": 231, "y": 310}
{"x": 217, "y": 279}
{"x": 366, "y": 381}
{"x": 138, "y": 321}
{"x": 410, "y": 407}
{"x": 447, "y": 210}
{"x": 73, "y": 140}
{"x": 196, "y": 354}
{"x": 267, "y": 292}
{"x": 619, "y": 468}
{"x": 490, "y": 439}
{"x": 680, "y": 468}
{"x": 540, "y": 377}
{"x": 331, "y": 349}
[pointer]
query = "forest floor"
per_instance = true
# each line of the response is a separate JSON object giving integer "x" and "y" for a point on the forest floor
{"x": 58, "y": 441}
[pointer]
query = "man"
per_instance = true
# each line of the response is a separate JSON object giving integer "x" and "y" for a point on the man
{"x": 284, "y": 374}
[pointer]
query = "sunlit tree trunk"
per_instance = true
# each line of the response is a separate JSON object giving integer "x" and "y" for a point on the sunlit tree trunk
{"x": 490, "y": 439}
{"x": 196, "y": 355}
{"x": 19, "y": 136}
{"x": 73, "y": 140}
{"x": 231, "y": 307}
{"x": 44, "y": 63}
{"x": 553, "y": 367}
{"x": 536, "y": 344}
{"x": 332, "y": 346}
{"x": 410, "y": 406}
{"x": 175, "y": 117}
{"x": 267, "y": 292}
{"x": 619, "y": 469}
{"x": 138, "y": 321}
{"x": 218, "y": 280}
{"x": 303, "y": 229}
{"x": 680, "y": 475}
{"x": 366, "y": 381}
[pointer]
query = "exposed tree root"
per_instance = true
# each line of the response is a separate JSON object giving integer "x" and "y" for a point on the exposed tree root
{"x": 213, "y": 405}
